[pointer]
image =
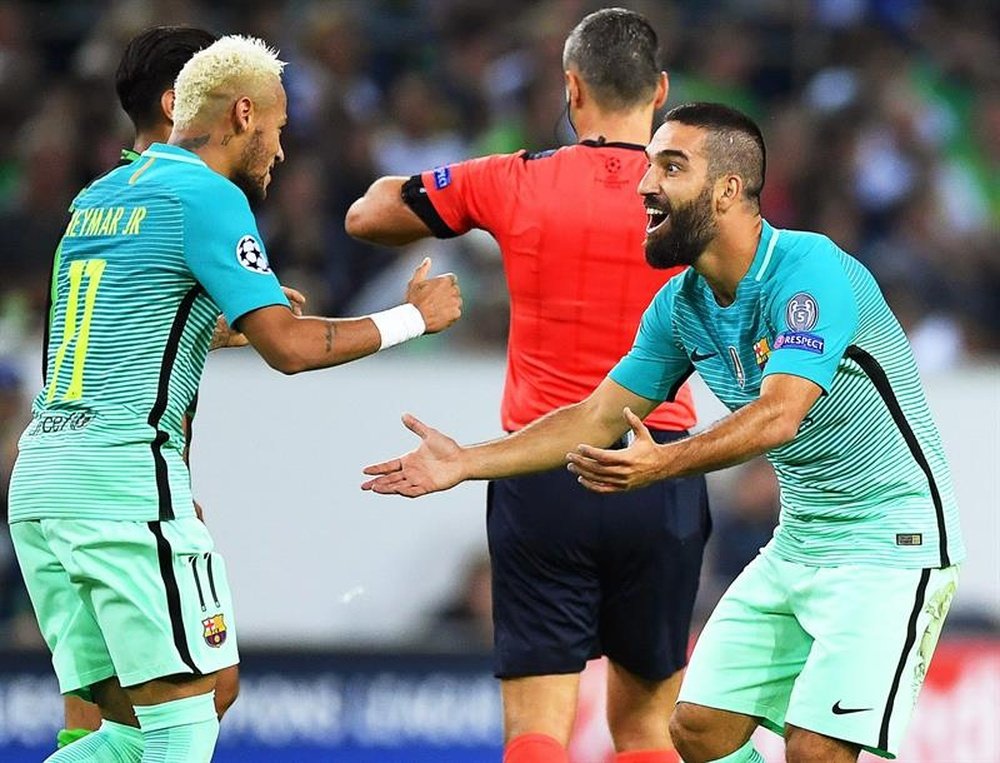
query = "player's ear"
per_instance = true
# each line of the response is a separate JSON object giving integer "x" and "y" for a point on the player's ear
{"x": 242, "y": 115}
{"x": 167, "y": 104}
{"x": 729, "y": 190}
{"x": 574, "y": 89}
{"x": 662, "y": 90}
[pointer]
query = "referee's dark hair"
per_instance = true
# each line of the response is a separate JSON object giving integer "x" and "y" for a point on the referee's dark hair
{"x": 616, "y": 52}
{"x": 734, "y": 144}
{"x": 150, "y": 64}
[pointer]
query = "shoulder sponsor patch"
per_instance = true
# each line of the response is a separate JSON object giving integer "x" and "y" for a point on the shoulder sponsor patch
{"x": 442, "y": 177}
{"x": 801, "y": 312}
{"x": 800, "y": 340}
{"x": 251, "y": 255}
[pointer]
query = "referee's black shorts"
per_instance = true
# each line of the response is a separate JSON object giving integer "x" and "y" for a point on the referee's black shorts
{"x": 578, "y": 574}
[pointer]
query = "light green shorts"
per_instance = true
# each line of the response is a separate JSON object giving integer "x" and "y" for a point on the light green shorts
{"x": 137, "y": 600}
{"x": 841, "y": 651}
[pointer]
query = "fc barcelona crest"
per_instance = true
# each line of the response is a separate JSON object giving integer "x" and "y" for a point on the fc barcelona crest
{"x": 761, "y": 352}
{"x": 215, "y": 630}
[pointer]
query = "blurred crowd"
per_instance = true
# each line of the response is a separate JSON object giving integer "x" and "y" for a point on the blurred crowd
{"x": 882, "y": 119}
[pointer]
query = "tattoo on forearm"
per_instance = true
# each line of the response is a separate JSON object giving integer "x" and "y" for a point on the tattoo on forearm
{"x": 329, "y": 337}
{"x": 192, "y": 143}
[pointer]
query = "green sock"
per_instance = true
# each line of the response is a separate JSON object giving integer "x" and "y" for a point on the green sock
{"x": 181, "y": 731}
{"x": 111, "y": 743}
{"x": 68, "y": 736}
{"x": 746, "y": 754}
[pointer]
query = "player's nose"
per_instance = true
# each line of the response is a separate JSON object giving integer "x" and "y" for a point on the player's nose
{"x": 647, "y": 186}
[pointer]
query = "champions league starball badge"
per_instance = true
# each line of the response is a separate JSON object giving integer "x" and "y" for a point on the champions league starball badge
{"x": 251, "y": 256}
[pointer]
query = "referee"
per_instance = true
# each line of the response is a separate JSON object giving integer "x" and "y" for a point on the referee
{"x": 575, "y": 574}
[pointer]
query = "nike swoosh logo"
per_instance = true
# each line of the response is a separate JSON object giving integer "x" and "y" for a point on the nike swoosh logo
{"x": 697, "y": 356}
{"x": 838, "y": 710}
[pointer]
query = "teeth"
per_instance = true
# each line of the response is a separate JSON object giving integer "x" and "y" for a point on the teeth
{"x": 657, "y": 218}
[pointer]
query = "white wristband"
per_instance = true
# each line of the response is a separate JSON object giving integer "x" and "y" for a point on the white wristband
{"x": 399, "y": 324}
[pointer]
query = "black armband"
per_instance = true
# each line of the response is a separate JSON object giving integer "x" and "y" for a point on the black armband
{"x": 414, "y": 196}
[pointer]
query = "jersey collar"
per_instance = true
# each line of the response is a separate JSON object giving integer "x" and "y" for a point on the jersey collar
{"x": 601, "y": 143}
{"x": 173, "y": 153}
{"x": 765, "y": 250}
{"x": 758, "y": 267}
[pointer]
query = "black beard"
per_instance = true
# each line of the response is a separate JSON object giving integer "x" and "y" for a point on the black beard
{"x": 253, "y": 187}
{"x": 252, "y": 156}
{"x": 691, "y": 229}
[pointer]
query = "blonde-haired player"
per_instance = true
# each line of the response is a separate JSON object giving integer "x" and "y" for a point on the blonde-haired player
{"x": 233, "y": 64}
{"x": 124, "y": 579}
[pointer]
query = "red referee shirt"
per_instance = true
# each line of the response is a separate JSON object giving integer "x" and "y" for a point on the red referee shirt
{"x": 570, "y": 228}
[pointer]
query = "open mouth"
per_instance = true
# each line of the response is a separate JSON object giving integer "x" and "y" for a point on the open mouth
{"x": 655, "y": 219}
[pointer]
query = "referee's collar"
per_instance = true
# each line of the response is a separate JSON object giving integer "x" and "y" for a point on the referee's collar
{"x": 601, "y": 143}
{"x": 174, "y": 153}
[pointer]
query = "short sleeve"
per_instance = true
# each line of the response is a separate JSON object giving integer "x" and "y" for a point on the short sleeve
{"x": 815, "y": 316}
{"x": 657, "y": 365}
{"x": 225, "y": 252}
{"x": 479, "y": 193}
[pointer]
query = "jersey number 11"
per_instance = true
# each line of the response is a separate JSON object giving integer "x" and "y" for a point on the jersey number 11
{"x": 75, "y": 327}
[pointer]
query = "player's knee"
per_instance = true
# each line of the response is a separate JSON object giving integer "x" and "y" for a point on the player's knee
{"x": 690, "y": 728}
{"x": 799, "y": 749}
{"x": 807, "y": 747}
{"x": 227, "y": 689}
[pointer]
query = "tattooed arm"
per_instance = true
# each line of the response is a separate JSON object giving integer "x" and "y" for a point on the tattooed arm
{"x": 292, "y": 344}
{"x": 226, "y": 336}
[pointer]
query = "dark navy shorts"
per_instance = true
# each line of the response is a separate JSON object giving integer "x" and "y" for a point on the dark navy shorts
{"x": 577, "y": 574}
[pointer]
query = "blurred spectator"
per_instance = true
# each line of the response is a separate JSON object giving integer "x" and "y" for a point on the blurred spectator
{"x": 746, "y": 521}
{"x": 465, "y": 624}
{"x": 744, "y": 515}
{"x": 883, "y": 120}
{"x": 420, "y": 133}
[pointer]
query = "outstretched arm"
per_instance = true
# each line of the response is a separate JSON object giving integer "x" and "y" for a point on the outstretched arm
{"x": 439, "y": 462}
{"x": 768, "y": 422}
{"x": 291, "y": 343}
{"x": 382, "y": 217}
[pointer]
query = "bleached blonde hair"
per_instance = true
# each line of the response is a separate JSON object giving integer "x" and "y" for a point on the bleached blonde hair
{"x": 229, "y": 68}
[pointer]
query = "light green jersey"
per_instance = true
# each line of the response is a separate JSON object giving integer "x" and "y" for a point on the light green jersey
{"x": 865, "y": 479}
{"x": 153, "y": 252}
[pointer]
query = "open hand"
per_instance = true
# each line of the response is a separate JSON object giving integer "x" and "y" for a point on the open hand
{"x": 615, "y": 471}
{"x": 433, "y": 466}
{"x": 438, "y": 299}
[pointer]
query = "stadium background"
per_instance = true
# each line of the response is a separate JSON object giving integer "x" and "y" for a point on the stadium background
{"x": 365, "y": 620}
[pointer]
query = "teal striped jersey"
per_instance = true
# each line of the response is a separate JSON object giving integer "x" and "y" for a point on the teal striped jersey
{"x": 153, "y": 252}
{"x": 865, "y": 479}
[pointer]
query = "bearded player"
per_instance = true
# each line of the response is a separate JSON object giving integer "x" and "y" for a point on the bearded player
{"x": 827, "y": 635}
